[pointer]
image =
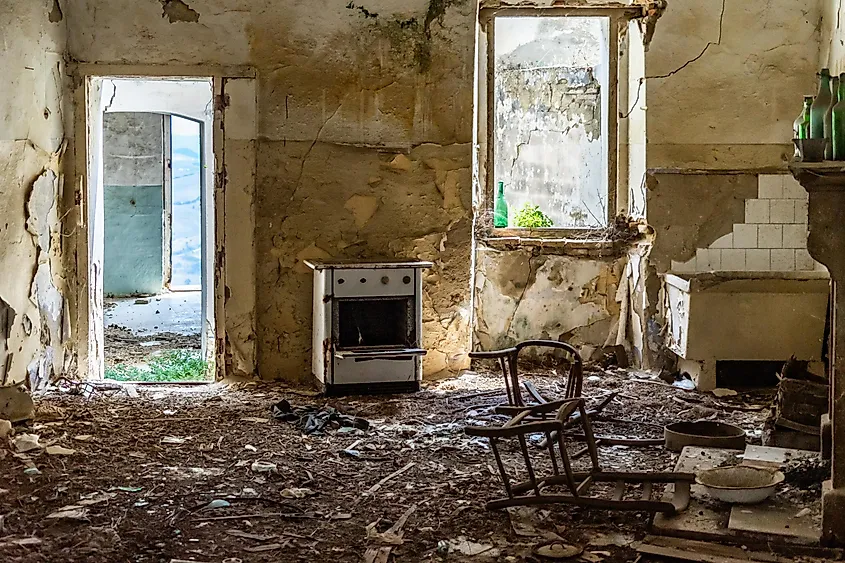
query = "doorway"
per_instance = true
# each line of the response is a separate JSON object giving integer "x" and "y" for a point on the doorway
{"x": 151, "y": 214}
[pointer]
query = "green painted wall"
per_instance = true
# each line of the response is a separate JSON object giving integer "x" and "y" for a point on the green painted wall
{"x": 133, "y": 249}
{"x": 133, "y": 201}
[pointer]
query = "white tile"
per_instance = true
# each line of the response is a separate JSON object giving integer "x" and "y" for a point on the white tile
{"x": 782, "y": 211}
{"x": 687, "y": 267}
{"x": 803, "y": 261}
{"x": 757, "y": 211}
{"x": 733, "y": 260}
{"x": 757, "y": 260}
{"x": 783, "y": 260}
{"x": 801, "y": 212}
{"x": 745, "y": 236}
{"x": 725, "y": 241}
{"x": 770, "y": 186}
{"x": 795, "y": 236}
{"x": 793, "y": 190}
{"x": 708, "y": 260}
{"x": 770, "y": 236}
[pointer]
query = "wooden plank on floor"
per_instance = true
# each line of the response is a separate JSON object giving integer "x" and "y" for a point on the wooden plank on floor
{"x": 703, "y": 552}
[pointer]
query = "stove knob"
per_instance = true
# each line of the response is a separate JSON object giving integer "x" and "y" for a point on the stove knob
{"x": 406, "y": 280}
{"x": 384, "y": 280}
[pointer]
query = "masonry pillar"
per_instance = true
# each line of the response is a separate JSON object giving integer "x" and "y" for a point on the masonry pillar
{"x": 825, "y": 182}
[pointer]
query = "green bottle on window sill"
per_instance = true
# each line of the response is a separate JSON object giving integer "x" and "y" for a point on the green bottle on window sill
{"x": 500, "y": 209}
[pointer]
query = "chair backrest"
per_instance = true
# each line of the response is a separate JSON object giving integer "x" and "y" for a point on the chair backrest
{"x": 575, "y": 377}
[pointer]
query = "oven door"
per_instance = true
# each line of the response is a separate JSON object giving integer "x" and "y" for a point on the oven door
{"x": 371, "y": 367}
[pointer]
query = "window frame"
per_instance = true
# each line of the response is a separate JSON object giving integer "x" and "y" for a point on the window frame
{"x": 619, "y": 16}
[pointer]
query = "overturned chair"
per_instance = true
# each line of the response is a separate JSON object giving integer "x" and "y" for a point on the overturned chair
{"x": 575, "y": 485}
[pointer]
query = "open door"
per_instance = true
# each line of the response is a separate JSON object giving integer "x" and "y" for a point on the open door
{"x": 94, "y": 122}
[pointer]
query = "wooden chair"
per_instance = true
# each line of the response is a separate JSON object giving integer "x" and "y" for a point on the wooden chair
{"x": 508, "y": 359}
{"x": 534, "y": 490}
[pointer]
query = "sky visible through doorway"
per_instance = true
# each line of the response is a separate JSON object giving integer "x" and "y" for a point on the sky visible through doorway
{"x": 186, "y": 242}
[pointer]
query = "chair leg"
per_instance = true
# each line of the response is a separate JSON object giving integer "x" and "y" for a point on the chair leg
{"x": 532, "y": 478}
{"x": 588, "y": 434}
{"x": 567, "y": 466}
{"x": 505, "y": 480}
{"x": 506, "y": 375}
{"x": 514, "y": 373}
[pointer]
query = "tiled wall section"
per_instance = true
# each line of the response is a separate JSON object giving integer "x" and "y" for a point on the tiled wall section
{"x": 773, "y": 237}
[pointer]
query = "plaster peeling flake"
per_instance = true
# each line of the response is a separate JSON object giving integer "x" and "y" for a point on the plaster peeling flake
{"x": 7, "y": 319}
{"x": 41, "y": 209}
{"x": 50, "y": 305}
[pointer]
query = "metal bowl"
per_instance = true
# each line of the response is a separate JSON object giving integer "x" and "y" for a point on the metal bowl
{"x": 704, "y": 434}
{"x": 740, "y": 484}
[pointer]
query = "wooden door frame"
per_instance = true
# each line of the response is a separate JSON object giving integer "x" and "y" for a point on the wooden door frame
{"x": 83, "y": 73}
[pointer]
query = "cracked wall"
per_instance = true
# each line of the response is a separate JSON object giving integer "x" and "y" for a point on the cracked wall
{"x": 733, "y": 107}
{"x": 724, "y": 83}
{"x": 31, "y": 186}
{"x": 525, "y": 294}
{"x": 363, "y": 151}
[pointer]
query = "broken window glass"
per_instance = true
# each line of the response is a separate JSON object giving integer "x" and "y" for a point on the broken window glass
{"x": 551, "y": 103}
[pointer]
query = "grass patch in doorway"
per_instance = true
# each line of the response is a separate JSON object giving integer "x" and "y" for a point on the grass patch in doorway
{"x": 171, "y": 365}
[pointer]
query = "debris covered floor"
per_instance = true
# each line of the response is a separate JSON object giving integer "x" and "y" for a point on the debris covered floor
{"x": 171, "y": 474}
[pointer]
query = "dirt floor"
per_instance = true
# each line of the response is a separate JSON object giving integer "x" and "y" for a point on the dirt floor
{"x": 205, "y": 474}
{"x": 122, "y": 346}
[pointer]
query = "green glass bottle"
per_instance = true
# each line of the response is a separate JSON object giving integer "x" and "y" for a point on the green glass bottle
{"x": 820, "y": 106}
{"x": 500, "y": 209}
{"x": 828, "y": 119}
{"x": 801, "y": 126}
{"x": 838, "y": 122}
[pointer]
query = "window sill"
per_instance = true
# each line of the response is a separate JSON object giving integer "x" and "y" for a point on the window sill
{"x": 586, "y": 247}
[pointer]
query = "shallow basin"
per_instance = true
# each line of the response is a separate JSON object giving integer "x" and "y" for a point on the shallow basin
{"x": 740, "y": 484}
{"x": 704, "y": 434}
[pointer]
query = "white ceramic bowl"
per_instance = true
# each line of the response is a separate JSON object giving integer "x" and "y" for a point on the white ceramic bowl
{"x": 740, "y": 484}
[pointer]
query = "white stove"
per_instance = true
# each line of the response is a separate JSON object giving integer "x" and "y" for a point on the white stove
{"x": 367, "y": 329}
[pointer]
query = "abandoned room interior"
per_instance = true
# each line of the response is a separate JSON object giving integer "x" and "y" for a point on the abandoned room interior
{"x": 426, "y": 280}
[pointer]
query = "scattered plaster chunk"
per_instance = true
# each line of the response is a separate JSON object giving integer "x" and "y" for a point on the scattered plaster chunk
{"x": 401, "y": 163}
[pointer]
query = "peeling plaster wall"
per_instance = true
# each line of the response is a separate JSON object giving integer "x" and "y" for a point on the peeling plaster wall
{"x": 523, "y": 295}
{"x": 31, "y": 136}
{"x": 364, "y": 150}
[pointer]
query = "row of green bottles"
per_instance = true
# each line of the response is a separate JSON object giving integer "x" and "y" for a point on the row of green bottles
{"x": 824, "y": 116}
